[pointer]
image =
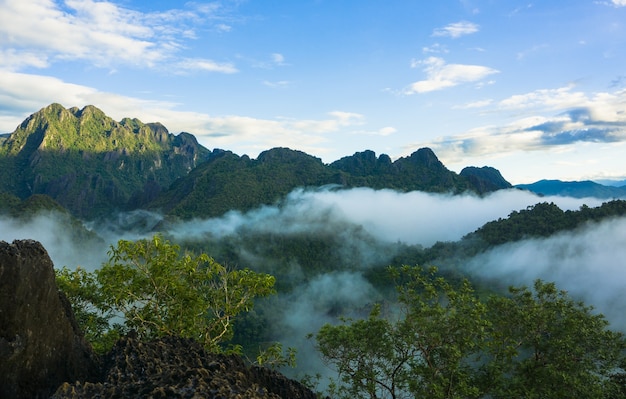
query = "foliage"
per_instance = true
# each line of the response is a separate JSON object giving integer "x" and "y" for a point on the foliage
{"x": 275, "y": 356}
{"x": 443, "y": 342}
{"x": 543, "y": 220}
{"x": 543, "y": 344}
{"x": 158, "y": 292}
{"x": 89, "y": 308}
{"x": 425, "y": 352}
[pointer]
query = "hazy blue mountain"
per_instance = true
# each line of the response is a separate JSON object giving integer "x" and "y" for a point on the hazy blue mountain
{"x": 576, "y": 189}
{"x": 612, "y": 183}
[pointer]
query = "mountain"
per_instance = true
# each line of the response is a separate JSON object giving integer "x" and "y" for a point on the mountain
{"x": 421, "y": 171}
{"x": 485, "y": 179}
{"x": 91, "y": 164}
{"x": 576, "y": 189}
{"x": 228, "y": 181}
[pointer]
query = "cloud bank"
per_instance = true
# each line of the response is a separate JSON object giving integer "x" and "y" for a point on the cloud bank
{"x": 414, "y": 218}
{"x": 589, "y": 263}
{"x": 99, "y": 32}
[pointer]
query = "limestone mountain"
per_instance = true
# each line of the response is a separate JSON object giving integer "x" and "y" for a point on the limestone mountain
{"x": 485, "y": 179}
{"x": 228, "y": 181}
{"x": 421, "y": 170}
{"x": 91, "y": 164}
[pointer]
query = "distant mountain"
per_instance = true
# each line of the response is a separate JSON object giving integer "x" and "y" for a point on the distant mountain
{"x": 421, "y": 171}
{"x": 576, "y": 189}
{"x": 228, "y": 181}
{"x": 612, "y": 183}
{"x": 485, "y": 179}
{"x": 91, "y": 164}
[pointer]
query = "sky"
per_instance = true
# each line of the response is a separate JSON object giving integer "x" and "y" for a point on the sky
{"x": 534, "y": 89}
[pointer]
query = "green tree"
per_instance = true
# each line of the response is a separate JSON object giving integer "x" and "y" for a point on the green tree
{"x": 157, "y": 291}
{"x": 424, "y": 349}
{"x": 90, "y": 311}
{"x": 444, "y": 342}
{"x": 543, "y": 344}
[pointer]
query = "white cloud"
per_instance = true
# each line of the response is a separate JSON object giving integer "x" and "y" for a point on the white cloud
{"x": 457, "y": 29}
{"x": 435, "y": 49}
{"x": 198, "y": 64}
{"x": 619, "y": 3}
{"x": 441, "y": 75}
{"x": 475, "y": 104}
{"x": 23, "y": 94}
{"x": 278, "y": 84}
{"x": 98, "y": 32}
{"x": 278, "y": 59}
{"x": 547, "y": 119}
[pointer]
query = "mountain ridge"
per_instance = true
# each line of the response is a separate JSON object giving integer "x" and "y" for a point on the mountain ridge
{"x": 576, "y": 189}
{"x": 93, "y": 165}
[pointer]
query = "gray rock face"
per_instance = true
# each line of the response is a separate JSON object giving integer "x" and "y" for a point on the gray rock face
{"x": 173, "y": 367}
{"x": 40, "y": 343}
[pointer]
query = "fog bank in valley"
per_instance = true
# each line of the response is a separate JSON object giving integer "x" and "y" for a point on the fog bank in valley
{"x": 412, "y": 218}
{"x": 589, "y": 263}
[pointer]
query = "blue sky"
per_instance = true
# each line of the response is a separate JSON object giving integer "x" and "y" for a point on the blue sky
{"x": 535, "y": 89}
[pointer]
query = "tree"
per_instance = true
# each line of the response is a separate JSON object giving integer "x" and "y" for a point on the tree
{"x": 426, "y": 352}
{"x": 444, "y": 342}
{"x": 159, "y": 292}
{"x": 543, "y": 344}
{"x": 90, "y": 311}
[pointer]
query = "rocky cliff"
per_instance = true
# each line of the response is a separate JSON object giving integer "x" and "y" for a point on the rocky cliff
{"x": 43, "y": 353}
{"x": 40, "y": 344}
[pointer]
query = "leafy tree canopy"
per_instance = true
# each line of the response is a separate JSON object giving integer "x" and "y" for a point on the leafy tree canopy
{"x": 157, "y": 291}
{"x": 442, "y": 341}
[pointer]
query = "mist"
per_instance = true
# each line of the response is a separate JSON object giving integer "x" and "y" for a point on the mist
{"x": 414, "y": 218}
{"x": 54, "y": 231}
{"x": 589, "y": 263}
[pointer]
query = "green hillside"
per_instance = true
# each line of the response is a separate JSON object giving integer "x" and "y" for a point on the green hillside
{"x": 91, "y": 164}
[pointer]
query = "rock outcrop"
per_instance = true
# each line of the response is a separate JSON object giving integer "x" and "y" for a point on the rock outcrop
{"x": 181, "y": 368}
{"x": 40, "y": 343}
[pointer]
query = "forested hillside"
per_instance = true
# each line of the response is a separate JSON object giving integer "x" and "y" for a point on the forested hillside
{"x": 93, "y": 165}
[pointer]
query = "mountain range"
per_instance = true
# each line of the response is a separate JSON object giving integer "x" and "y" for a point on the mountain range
{"x": 92, "y": 166}
{"x": 576, "y": 189}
